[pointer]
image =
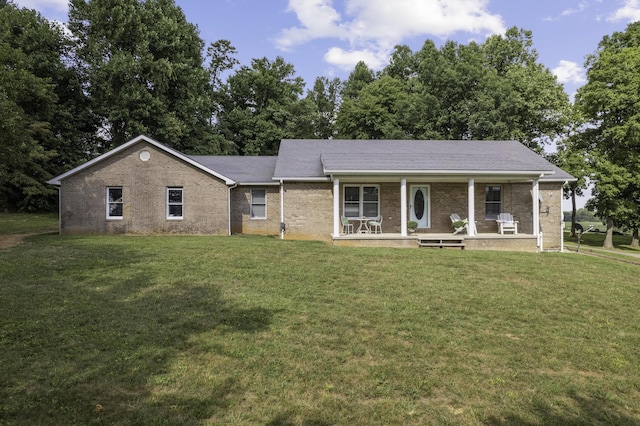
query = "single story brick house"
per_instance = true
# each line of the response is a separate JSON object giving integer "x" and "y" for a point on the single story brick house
{"x": 145, "y": 187}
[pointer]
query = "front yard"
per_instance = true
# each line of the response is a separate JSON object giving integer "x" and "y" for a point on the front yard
{"x": 220, "y": 330}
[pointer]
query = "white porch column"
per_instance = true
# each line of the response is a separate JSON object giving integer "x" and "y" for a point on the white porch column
{"x": 282, "y": 230}
{"x": 403, "y": 207}
{"x": 471, "y": 193}
{"x": 535, "y": 194}
{"x": 336, "y": 207}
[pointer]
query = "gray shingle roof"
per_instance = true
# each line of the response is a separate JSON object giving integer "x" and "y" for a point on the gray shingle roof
{"x": 314, "y": 159}
{"x": 243, "y": 170}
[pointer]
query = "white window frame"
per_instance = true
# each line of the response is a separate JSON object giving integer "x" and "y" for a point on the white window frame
{"x": 254, "y": 201}
{"x": 175, "y": 203}
{"x": 361, "y": 202}
{"x": 487, "y": 202}
{"x": 116, "y": 202}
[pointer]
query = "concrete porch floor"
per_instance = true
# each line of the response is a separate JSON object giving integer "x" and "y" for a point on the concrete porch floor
{"x": 488, "y": 241}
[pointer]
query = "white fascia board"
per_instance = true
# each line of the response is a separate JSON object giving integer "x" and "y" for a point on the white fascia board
{"x": 57, "y": 180}
{"x": 565, "y": 180}
{"x": 258, "y": 183}
{"x": 532, "y": 173}
{"x": 301, "y": 179}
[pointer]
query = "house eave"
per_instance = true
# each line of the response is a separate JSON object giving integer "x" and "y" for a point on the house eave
{"x": 452, "y": 173}
{"x": 57, "y": 181}
{"x": 258, "y": 183}
{"x": 302, "y": 179}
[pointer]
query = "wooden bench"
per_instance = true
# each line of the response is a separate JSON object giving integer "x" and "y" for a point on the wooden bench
{"x": 441, "y": 242}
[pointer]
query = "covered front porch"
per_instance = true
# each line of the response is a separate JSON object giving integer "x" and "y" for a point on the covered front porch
{"x": 398, "y": 200}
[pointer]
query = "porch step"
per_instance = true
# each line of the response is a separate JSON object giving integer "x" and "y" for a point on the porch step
{"x": 441, "y": 242}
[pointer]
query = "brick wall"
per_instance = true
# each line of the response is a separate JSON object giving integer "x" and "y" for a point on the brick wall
{"x": 144, "y": 183}
{"x": 241, "y": 221}
{"x": 551, "y": 219}
{"x": 308, "y": 210}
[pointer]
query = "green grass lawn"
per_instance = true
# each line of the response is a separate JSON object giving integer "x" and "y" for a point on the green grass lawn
{"x": 595, "y": 239}
{"x": 245, "y": 330}
{"x": 28, "y": 223}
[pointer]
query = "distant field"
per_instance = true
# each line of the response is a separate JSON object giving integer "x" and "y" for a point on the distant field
{"x": 119, "y": 330}
{"x": 597, "y": 227}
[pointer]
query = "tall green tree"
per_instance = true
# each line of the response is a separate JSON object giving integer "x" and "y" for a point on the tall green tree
{"x": 375, "y": 113}
{"x": 142, "y": 64}
{"x": 574, "y": 162}
{"x": 494, "y": 90}
{"x": 610, "y": 101}
{"x": 262, "y": 105}
{"x": 45, "y": 124}
{"x": 358, "y": 79}
{"x": 325, "y": 99}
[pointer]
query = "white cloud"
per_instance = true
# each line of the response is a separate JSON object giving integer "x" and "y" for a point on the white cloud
{"x": 581, "y": 7}
{"x": 318, "y": 18}
{"x": 347, "y": 59}
{"x": 569, "y": 72}
{"x": 630, "y": 11}
{"x": 373, "y": 27}
{"x": 59, "y": 5}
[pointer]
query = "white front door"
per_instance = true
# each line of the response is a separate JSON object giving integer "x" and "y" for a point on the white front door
{"x": 419, "y": 206}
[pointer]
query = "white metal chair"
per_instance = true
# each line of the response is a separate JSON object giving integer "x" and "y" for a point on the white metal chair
{"x": 459, "y": 225}
{"x": 347, "y": 227}
{"x": 506, "y": 223}
{"x": 375, "y": 225}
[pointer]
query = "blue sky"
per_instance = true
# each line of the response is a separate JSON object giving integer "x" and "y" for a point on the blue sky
{"x": 328, "y": 37}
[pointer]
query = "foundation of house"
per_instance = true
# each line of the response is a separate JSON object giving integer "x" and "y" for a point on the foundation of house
{"x": 517, "y": 242}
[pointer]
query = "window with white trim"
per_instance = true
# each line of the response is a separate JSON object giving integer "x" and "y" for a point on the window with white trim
{"x": 493, "y": 201}
{"x": 114, "y": 202}
{"x": 361, "y": 201}
{"x": 175, "y": 203}
{"x": 258, "y": 204}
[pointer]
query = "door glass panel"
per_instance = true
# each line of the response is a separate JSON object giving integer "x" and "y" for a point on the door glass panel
{"x": 418, "y": 204}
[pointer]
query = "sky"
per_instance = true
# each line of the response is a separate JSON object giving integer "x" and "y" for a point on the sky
{"x": 328, "y": 37}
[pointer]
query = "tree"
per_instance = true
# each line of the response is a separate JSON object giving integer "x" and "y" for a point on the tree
{"x": 262, "y": 105}
{"x": 44, "y": 119}
{"x": 143, "y": 68}
{"x": 609, "y": 100}
{"x": 572, "y": 158}
{"x": 495, "y": 90}
{"x": 325, "y": 98}
{"x": 360, "y": 77}
{"x": 375, "y": 113}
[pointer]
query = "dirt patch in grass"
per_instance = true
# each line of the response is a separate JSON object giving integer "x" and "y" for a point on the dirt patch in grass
{"x": 8, "y": 241}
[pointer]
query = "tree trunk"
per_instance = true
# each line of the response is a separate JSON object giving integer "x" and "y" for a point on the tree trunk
{"x": 634, "y": 238}
{"x": 573, "y": 213}
{"x": 608, "y": 239}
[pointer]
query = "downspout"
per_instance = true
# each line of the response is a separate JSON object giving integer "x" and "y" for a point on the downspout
{"x": 229, "y": 188}
{"x": 282, "y": 225}
{"x": 59, "y": 211}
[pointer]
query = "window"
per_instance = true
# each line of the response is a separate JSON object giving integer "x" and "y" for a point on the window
{"x": 493, "y": 203}
{"x": 258, "y": 204}
{"x": 175, "y": 203}
{"x": 361, "y": 200}
{"x": 114, "y": 202}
